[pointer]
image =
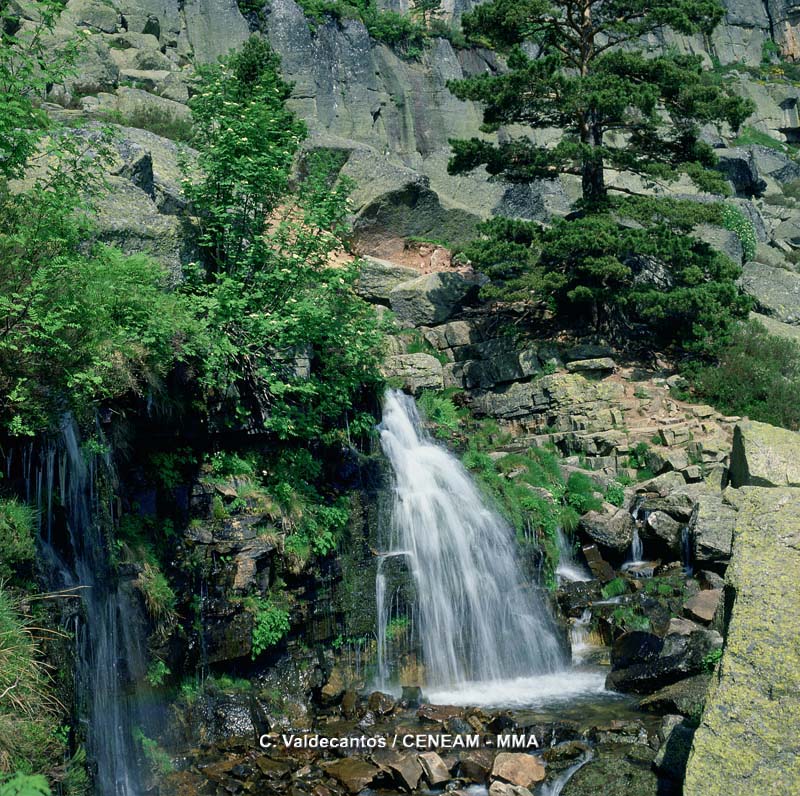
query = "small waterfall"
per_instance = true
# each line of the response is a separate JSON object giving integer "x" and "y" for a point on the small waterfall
{"x": 687, "y": 558}
{"x": 476, "y": 619}
{"x": 579, "y": 635}
{"x": 568, "y": 569}
{"x": 637, "y": 548}
{"x": 110, "y": 655}
{"x": 555, "y": 787}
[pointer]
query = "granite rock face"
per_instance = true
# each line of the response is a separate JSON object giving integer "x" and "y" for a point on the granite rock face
{"x": 749, "y": 738}
{"x": 764, "y": 455}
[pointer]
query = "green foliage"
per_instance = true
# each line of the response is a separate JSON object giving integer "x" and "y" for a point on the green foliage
{"x": 441, "y": 411}
{"x": 757, "y": 375}
{"x": 404, "y": 33}
{"x": 615, "y": 493}
{"x": 579, "y": 493}
{"x": 736, "y": 221}
{"x": 750, "y": 136}
{"x": 158, "y": 594}
{"x": 270, "y": 624}
{"x": 24, "y": 785}
{"x": 711, "y": 659}
{"x": 288, "y": 345}
{"x": 157, "y": 758}
{"x": 634, "y": 265}
{"x": 227, "y": 464}
{"x": 627, "y": 618}
{"x": 614, "y": 588}
{"x": 17, "y": 545}
{"x": 160, "y": 121}
{"x": 638, "y": 455}
{"x": 591, "y": 76}
{"x": 157, "y": 672}
{"x": 28, "y": 711}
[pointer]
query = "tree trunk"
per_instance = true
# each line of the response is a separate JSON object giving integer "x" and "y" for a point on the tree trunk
{"x": 593, "y": 182}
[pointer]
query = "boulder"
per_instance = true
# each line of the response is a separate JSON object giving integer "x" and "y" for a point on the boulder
{"x": 380, "y": 703}
{"x": 679, "y": 505}
{"x": 642, "y": 662}
{"x": 499, "y": 788}
{"x": 611, "y": 527}
{"x": 686, "y": 697}
{"x": 476, "y": 764}
{"x": 740, "y": 167}
{"x": 665, "y": 530}
{"x": 518, "y": 769}
{"x": 429, "y": 299}
{"x": 703, "y": 605}
{"x": 213, "y": 28}
{"x": 777, "y": 328}
{"x": 615, "y": 770}
{"x": 723, "y": 240}
{"x": 404, "y": 767}
{"x": 776, "y": 291}
{"x": 748, "y": 739}
{"x": 713, "y": 529}
{"x": 417, "y": 372}
{"x": 434, "y": 768}
{"x": 764, "y": 455}
{"x": 660, "y": 460}
{"x": 377, "y": 278}
{"x": 351, "y": 772}
{"x": 600, "y": 365}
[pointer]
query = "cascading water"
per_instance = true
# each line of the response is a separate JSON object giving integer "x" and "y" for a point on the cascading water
{"x": 568, "y": 569}
{"x": 476, "y": 620}
{"x": 110, "y": 655}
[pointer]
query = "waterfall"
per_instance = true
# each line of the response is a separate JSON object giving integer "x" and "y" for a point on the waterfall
{"x": 686, "y": 550}
{"x": 110, "y": 655}
{"x": 579, "y": 635}
{"x": 637, "y": 548}
{"x": 476, "y": 619}
{"x": 568, "y": 569}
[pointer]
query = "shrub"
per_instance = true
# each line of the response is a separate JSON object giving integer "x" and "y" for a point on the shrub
{"x": 579, "y": 493}
{"x": 735, "y": 220}
{"x": 158, "y": 595}
{"x": 614, "y": 588}
{"x": 24, "y": 785}
{"x": 270, "y": 624}
{"x": 440, "y": 411}
{"x": 757, "y": 375}
{"x": 17, "y": 544}
{"x": 615, "y": 494}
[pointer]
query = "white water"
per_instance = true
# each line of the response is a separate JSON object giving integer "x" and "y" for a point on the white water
{"x": 478, "y": 623}
{"x": 568, "y": 569}
{"x": 579, "y": 635}
{"x": 555, "y": 787}
{"x": 523, "y": 692}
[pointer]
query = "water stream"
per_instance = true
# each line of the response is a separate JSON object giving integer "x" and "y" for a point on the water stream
{"x": 478, "y": 622}
{"x": 110, "y": 654}
{"x": 568, "y": 568}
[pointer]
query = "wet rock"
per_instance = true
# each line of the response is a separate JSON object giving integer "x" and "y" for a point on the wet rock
{"x": 753, "y": 706}
{"x": 619, "y": 731}
{"x": 599, "y": 567}
{"x": 380, "y": 703}
{"x": 334, "y": 688}
{"x": 429, "y": 299}
{"x": 434, "y": 768}
{"x": 518, "y": 769}
{"x": 349, "y": 704}
{"x": 663, "y": 484}
{"x": 405, "y": 768}
{"x": 611, "y": 527}
{"x": 662, "y": 528}
{"x": 411, "y": 696}
{"x": 686, "y": 697}
{"x": 682, "y": 627}
{"x": 764, "y": 455}
{"x": 476, "y": 764}
{"x": 676, "y": 741}
{"x": 642, "y": 662}
{"x": 615, "y": 771}
{"x": 439, "y": 713}
{"x": 679, "y": 505}
{"x": 353, "y": 773}
{"x": 703, "y": 605}
{"x": 575, "y": 597}
{"x": 499, "y": 788}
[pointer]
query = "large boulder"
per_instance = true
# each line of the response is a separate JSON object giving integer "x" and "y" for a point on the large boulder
{"x": 748, "y": 741}
{"x": 776, "y": 291}
{"x": 429, "y": 299}
{"x": 764, "y": 455}
{"x": 713, "y": 529}
{"x": 611, "y": 527}
{"x": 377, "y": 278}
{"x": 518, "y": 769}
{"x": 417, "y": 372}
{"x": 642, "y": 663}
{"x": 615, "y": 770}
{"x": 686, "y": 697}
{"x": 777, "y": 328}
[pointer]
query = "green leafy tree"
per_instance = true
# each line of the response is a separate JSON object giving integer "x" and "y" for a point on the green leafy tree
{"x": 79, "y": 324}
{"x": 290, "y": 347}
{"x": 592, "y": 78}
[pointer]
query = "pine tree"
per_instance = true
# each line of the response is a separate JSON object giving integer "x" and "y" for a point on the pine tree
{"x": 582, "y": 66}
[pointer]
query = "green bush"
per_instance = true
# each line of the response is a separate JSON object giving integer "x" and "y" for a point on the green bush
{"x": 17, "y": 545}
{"x": 615, "y": 494}
{"x": 270, "y": 624}
{"x": 757, "y": 375}
{"x": 579, "y": 493}
{"x": 441, "y": 411}
{"x": 24, "y": 785}
{"x": 614, "y": 588}
{"x": 158, "y": 594}
{"x": 735, "y": 220}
